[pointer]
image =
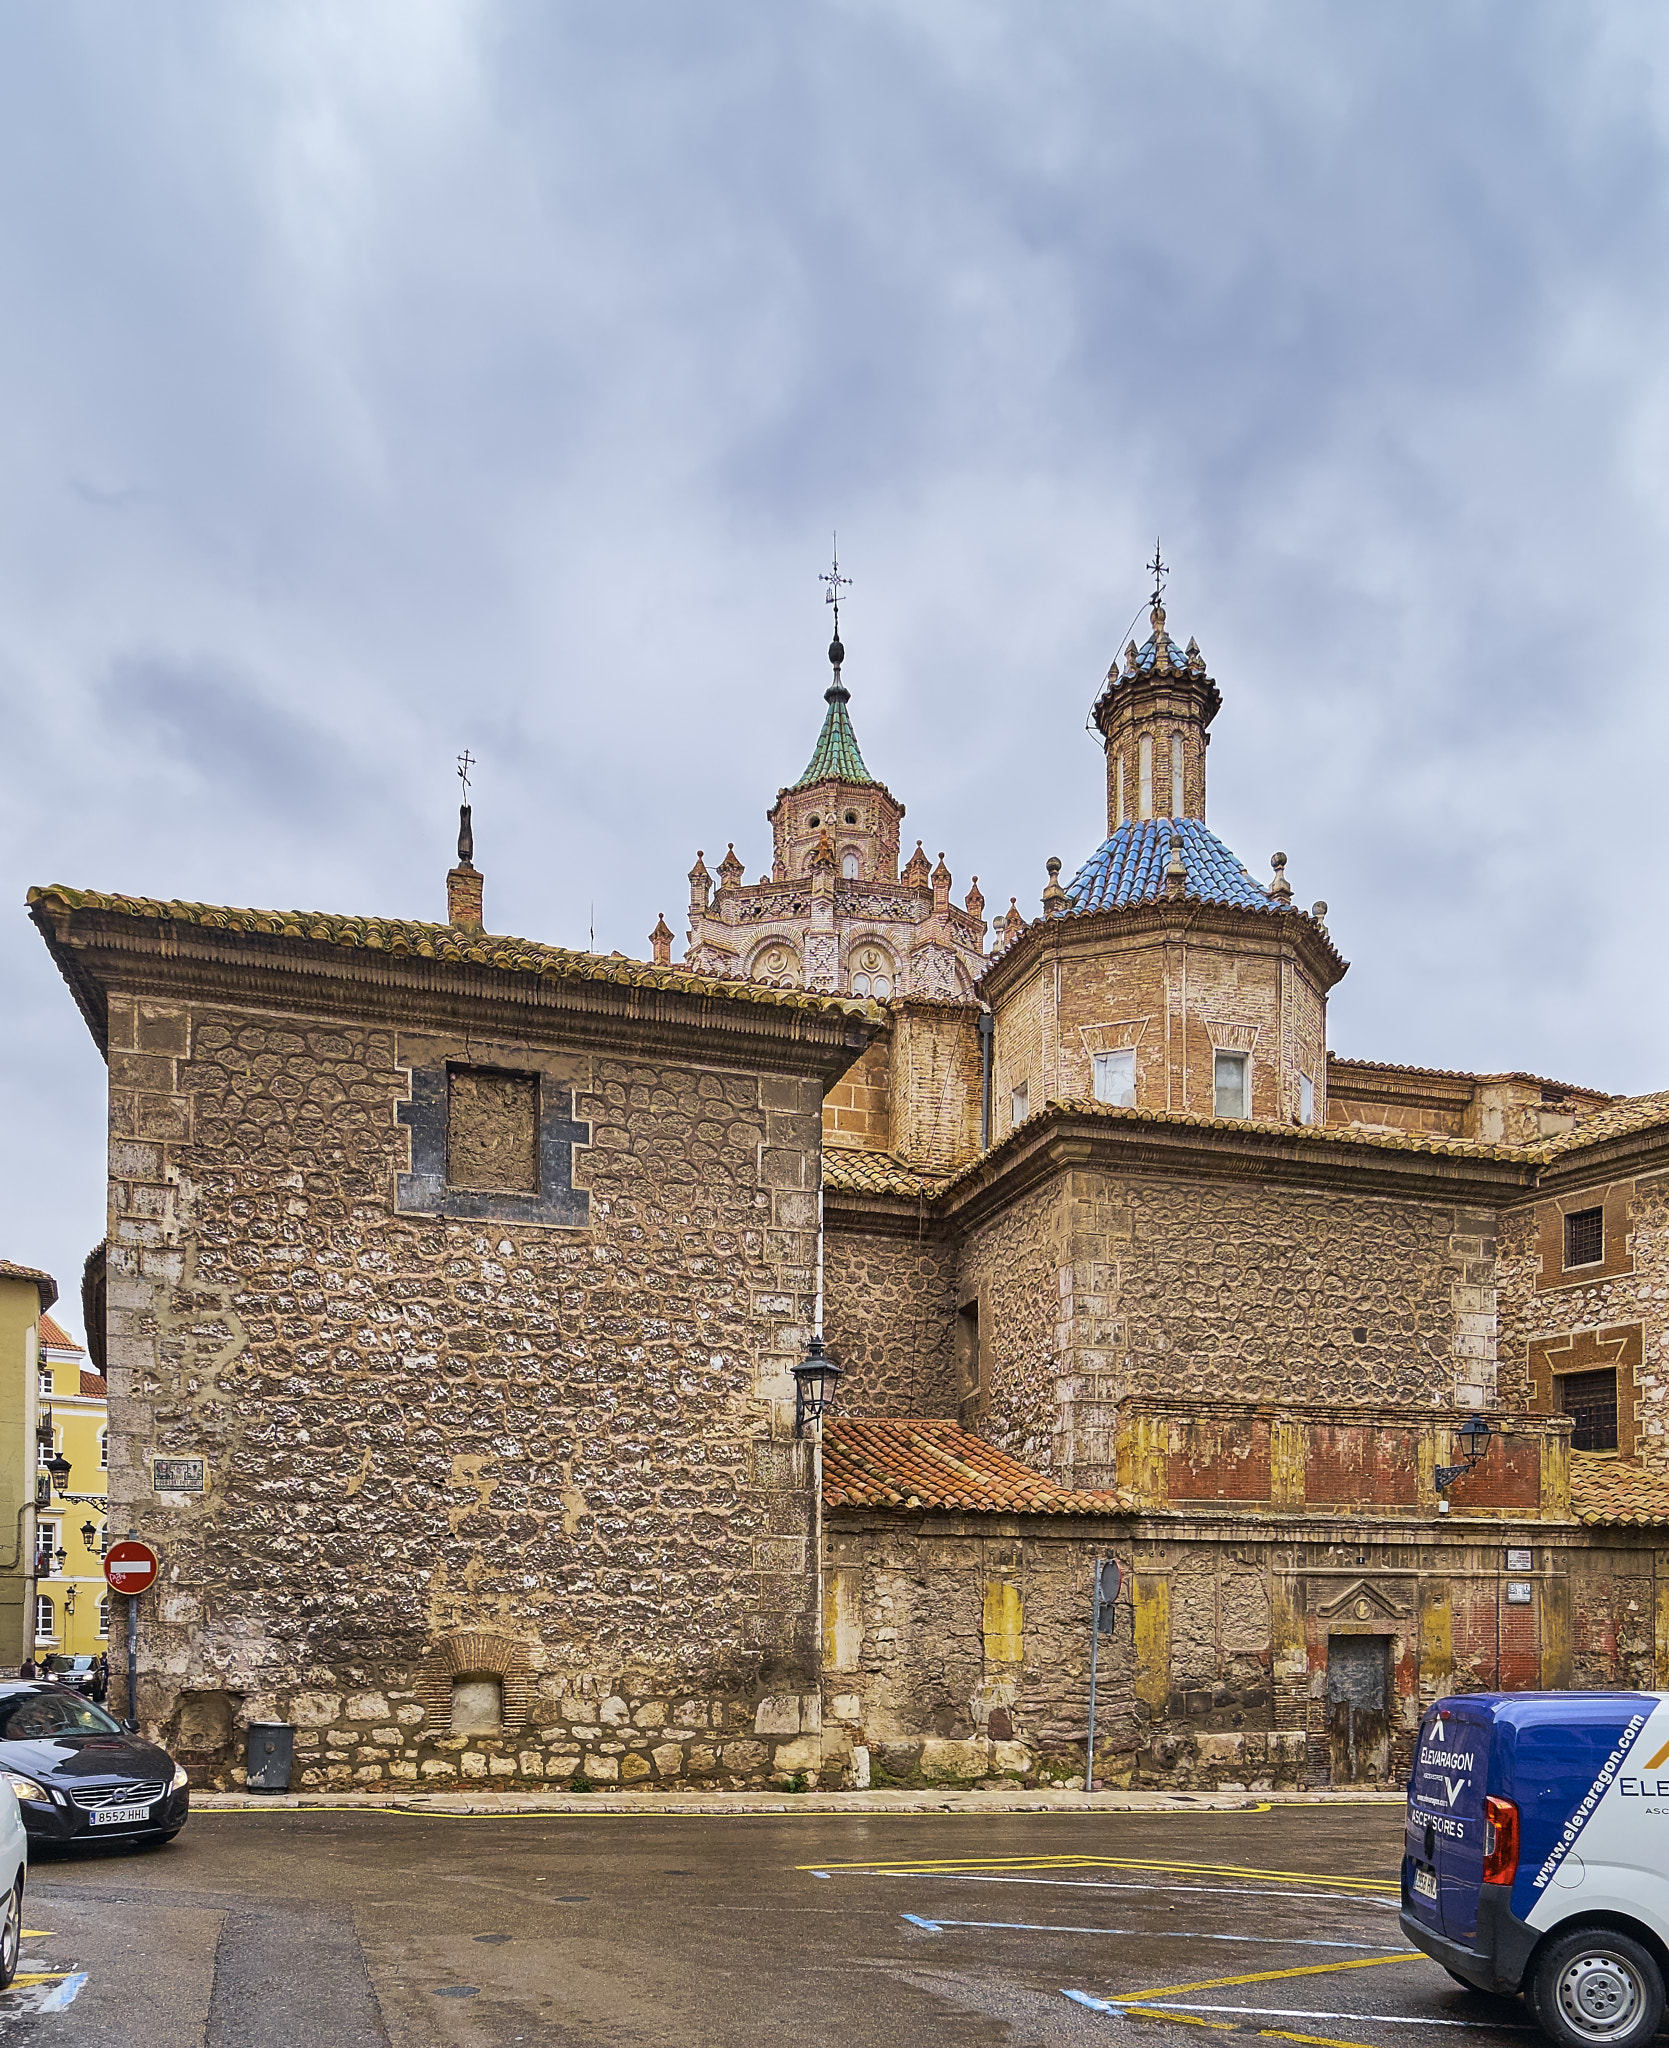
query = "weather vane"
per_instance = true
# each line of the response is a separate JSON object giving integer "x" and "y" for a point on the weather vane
{"x": 1158, "y": 570}
{"x": 466, "y": 761}
{"x": 835, "y": 581}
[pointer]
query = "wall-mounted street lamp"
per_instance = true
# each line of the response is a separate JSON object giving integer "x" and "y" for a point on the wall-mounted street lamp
{"x": 89, "y": 1534}
{"x": 57, "y": 1469}
{"x": 1476, "y": 1436}
{"x": 815, "y": 1380}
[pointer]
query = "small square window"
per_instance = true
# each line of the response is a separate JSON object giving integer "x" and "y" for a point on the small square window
{"x": 1590, "y": 1400}
{"x": 1306, "y": 1099}
{"x": 1231, "y": 1083}
{"x": 1017, "y": 1102}
{"x": 1584, "y": 1237}
{"x": 1115, "y": 1078}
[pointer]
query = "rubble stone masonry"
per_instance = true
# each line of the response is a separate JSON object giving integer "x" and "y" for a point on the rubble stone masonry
{"x": 546, "y": 1463}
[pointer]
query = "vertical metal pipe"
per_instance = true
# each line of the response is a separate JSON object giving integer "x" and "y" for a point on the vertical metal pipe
{"x": 987, "y": 1024}
{"x": 1094, "y": 1658}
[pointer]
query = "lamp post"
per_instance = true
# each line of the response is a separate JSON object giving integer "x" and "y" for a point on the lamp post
{"x": 1476, "y": 1435}
{"x": 815, "y": 1379}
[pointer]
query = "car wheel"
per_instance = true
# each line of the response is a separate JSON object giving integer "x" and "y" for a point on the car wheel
{"x": 1598, "y": 1989}
{"x": 11, "y": 1934}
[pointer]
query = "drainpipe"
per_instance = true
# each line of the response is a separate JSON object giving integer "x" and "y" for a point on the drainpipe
{"x": 987, "y": 1024}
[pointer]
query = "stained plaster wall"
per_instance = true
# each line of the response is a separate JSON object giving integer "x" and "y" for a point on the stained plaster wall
{"x": 957, "y": 1647}
{"x": 553, "y": 1455}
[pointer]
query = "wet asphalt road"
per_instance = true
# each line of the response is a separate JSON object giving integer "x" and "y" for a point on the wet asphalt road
{"x": 380, "y": 1930}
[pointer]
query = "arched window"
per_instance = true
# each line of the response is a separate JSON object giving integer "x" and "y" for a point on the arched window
{"x": 849, "y": 866}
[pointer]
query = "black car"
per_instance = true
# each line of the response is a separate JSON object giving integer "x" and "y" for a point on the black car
{"x": 80, "y": 1672}
{"x": 79, "y": 1776}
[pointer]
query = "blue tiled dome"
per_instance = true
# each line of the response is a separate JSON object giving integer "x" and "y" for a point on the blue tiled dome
{"x": 1130, "y": 868}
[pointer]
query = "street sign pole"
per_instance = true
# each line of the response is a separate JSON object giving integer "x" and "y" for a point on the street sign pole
{"x": 1103, "y": 1618}
{"x": 129, "y": 1567}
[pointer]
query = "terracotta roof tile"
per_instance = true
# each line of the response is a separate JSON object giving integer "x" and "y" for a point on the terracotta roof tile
{"x": 93, "y": 1387}
{"x": 880, "y": 1173}
{"x": 51, "y": 1332}
{"x": 1613, "y": 1490}
{"x": 1625, "y": 1115}
{"x": 915, "y": 1463}
{"x": 449, "y": 943}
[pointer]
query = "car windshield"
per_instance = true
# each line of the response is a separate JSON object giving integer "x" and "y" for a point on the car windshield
{"x": 58, "y": 1663}
{"x": 36, "y": 1716}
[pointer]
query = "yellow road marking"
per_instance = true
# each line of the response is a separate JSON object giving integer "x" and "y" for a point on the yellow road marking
{"x": 1224, "y": 2027}
{"x": 40, "y": 1977}
{"x": 948, "y": 1865}
{"x": 1406, "y": 1955}
{"x": 38, "y": 1933}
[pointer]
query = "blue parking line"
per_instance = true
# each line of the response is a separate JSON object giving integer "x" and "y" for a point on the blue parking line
{"x": 62, "y": 1994}
{"x": 937, "y": 1926}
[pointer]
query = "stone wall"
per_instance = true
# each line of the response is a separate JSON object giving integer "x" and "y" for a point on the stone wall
{"x": 1610, "y": 1314}
{"x": 458, "y": 1448}
{"x": 957, "y": 1647}
{"x": 889, "y": 1317}
{"x": 1102, "y": 1285}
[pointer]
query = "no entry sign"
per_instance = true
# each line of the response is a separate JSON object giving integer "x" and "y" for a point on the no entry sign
{"x": 130, "y": 1567}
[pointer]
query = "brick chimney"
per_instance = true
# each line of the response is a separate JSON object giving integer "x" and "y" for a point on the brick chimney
{"x": 464, "y": 882}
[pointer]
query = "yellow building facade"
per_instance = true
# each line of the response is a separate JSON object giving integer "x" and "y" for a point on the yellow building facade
{"x": 72, "y": 1609}
{"x": 25, "y": 1297}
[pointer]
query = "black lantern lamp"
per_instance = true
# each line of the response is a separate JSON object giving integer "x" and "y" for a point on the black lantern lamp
{"x": 57, "y": 1468}
{"x": 89, "y": 1534}
{"x": 815, "y": 1380}
{"x": 1476, "y": 1436}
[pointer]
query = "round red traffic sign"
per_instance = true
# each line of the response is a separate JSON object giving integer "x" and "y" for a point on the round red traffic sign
{"x": 130, "y": 1567}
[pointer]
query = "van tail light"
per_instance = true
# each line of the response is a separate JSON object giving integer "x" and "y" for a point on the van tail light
{"x": 1500, "y": 1841}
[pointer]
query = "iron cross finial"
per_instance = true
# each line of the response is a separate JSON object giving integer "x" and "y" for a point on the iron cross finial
{"x": 836, "y": 582}
{"x": 1158, "y": 569}
{"x": 466, "y": 761}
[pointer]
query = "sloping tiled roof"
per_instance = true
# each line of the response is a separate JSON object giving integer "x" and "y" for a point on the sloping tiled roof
{"x": 1611, "y": 1490}
{"x": 1341, "y": 1059}
{"x": 93, "y": 1387}
{"x": 450, "y": 943}
{"x": 836, "y": 752}
{"x": 1618, "y": 1120}
{"x": 879, "y": 1173}
{"x": 914, "y": 1463}
{"x": 45, "y": 1286}
{"x": 1130, "y": 868}
{"x": 59, "y": 1338}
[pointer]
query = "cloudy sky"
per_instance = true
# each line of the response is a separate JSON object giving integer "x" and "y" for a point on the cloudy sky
{"x": 383, "y": 379}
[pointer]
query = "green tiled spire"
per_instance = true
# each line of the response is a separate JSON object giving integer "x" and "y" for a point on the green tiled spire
{"x": 836, "y": 753}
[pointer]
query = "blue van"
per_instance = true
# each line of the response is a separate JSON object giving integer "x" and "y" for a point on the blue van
{"x": 1536, "y": 1857}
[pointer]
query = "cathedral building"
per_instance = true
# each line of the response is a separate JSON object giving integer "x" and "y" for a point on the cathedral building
{"x": 463, "y": 1297}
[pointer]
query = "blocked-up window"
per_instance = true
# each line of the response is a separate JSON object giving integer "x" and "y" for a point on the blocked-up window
{"x": 1115, "y": 1077}
{"x": 1584, "y": 1237}
{"x": 1306, "y": 1099}
{"x": 1232, "y": 1092}
{"x": 477, "y": 1705}
{"x": 1590, "y": 1400}
{"x": 849, "y": 866}
{"x": 492, "y": 1130}
{"x": 1017, "y": 1102}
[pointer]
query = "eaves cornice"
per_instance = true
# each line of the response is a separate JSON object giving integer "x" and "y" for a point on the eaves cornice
{"x": 100, "y": 951}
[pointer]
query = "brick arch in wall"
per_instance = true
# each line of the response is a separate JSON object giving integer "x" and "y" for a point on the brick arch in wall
{"x": 475, "y": 1653}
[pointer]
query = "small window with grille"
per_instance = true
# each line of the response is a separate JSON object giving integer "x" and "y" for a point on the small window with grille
{"x": 1584, "y": 1237}
{"x": 1590, "y": 1400}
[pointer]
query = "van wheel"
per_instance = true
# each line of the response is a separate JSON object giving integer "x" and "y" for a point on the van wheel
{"x": 1598, "y": 1989}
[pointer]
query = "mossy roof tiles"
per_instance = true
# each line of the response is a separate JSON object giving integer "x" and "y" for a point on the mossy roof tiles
{"x": 444, "y": 942}
{"x": 1613, "y": 1490}
{"x": 879, "y": 1173}
{"x": 914, "y": 1463}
